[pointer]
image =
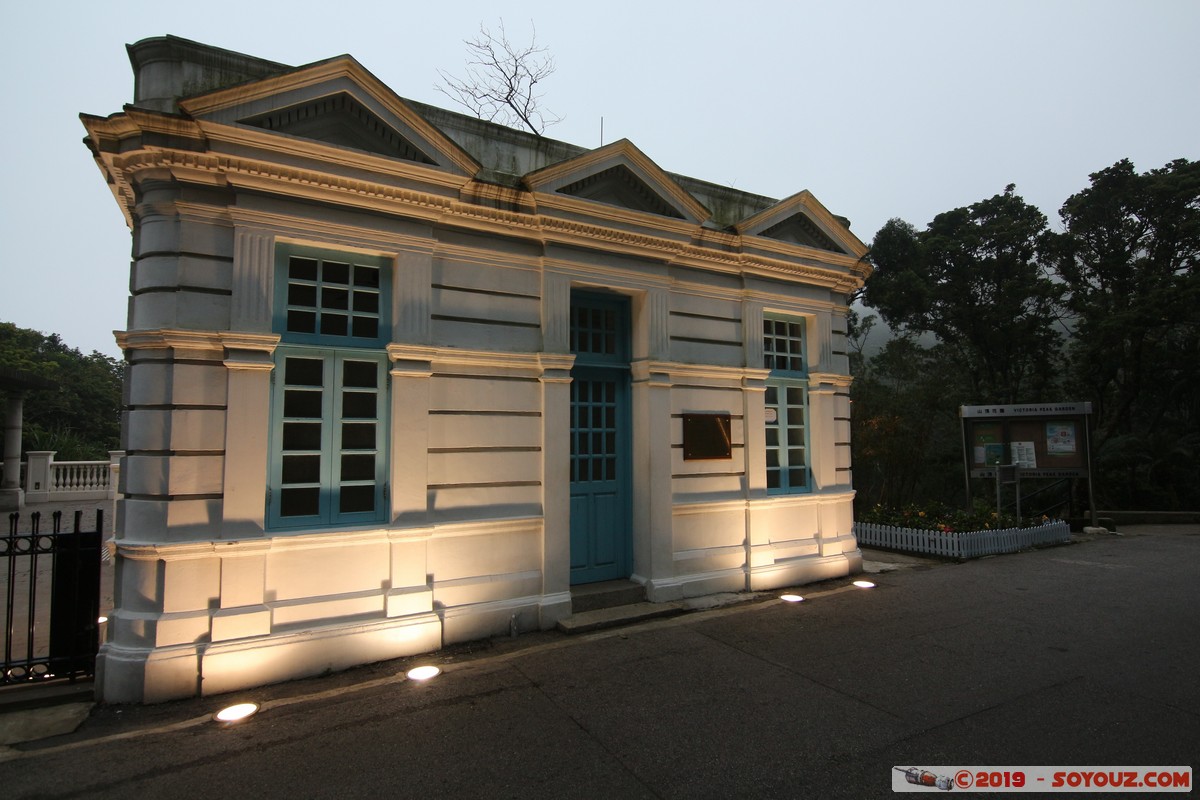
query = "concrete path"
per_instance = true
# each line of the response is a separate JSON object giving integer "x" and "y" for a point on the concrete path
{"x": 1082, "y": 654}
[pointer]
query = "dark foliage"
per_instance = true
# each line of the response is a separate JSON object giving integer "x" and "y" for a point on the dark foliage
{"x": 81, "y": 417}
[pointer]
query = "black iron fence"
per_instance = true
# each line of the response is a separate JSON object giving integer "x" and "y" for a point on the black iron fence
{"x": 51, "y": 596}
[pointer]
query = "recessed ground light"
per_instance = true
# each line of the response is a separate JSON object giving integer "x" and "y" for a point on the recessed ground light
{"x": 864, "y": 584}
{"x": 423, "y": 673}
{"x": 236, "y": 713}
{"x": 101, "y": 620}
{"x": 791, "y": 598}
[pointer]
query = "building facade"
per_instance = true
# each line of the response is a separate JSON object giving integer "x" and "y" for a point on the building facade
{"x": 400, "y": 378}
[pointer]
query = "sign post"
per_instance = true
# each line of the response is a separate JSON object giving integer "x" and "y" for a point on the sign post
{"x": 1031, "y": 440}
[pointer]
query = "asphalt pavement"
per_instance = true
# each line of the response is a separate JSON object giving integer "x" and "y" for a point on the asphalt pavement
{"x": 1081, "y": 654}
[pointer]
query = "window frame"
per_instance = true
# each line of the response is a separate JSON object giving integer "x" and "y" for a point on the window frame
{"x": 783, "y": 380}
{"x": 334, "y": 351}
{"x": 281, "y": 301}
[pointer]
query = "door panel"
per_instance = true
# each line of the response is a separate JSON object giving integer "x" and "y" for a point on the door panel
{"x": 601, "y": 539}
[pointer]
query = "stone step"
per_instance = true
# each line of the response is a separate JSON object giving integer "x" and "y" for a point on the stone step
{"x": 615, "y": 616}
{"x": 593, "y": 596}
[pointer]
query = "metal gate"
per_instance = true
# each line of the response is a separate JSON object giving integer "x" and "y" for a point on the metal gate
{"x": 51, "y": 596}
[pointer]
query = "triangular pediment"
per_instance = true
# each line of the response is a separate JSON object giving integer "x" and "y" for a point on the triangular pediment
{"x": 337, "y": 103}
{"x": 621, "y": 176}
{"x": 340, "y": 120}
{"x": 802, "y": 220}
{"x": 620, "y": 186}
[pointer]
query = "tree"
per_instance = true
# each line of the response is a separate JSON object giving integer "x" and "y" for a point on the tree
{"x": 81, "y": 417}
{"x": 973, "y": 280}
{"x": 501, "y": 78}
{"x": 905, "y": 435}
{"x": 1128, "y": 259}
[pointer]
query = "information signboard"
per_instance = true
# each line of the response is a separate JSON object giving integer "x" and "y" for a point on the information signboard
{"x": 1046, "y": 440}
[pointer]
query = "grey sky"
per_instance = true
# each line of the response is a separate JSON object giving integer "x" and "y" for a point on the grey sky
{"x": 881, "y": 109}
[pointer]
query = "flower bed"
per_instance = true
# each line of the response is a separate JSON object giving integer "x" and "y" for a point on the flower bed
{"x": 955, "y": 533}
{"x": 961, "y": 544}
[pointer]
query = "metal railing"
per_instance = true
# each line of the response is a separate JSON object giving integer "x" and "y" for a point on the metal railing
{"x": 51, "y": 596}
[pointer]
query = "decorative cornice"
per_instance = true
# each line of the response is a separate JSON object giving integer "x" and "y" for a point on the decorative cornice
{"x": 175, "y": 339}
{"x": 330, "y": 154}
{"x": 614, "y": 214}
{"x": 834, "y": 379}
{"x": 842, "y": 274}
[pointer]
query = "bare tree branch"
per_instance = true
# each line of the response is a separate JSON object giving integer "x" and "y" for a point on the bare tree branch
{"x": 500, "y": 80}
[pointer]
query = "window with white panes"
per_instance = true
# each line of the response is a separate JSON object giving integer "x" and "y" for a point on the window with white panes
{"x": 786, "y": 412}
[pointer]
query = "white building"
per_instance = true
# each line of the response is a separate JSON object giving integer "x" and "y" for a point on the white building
{"x": 400, "y": 378}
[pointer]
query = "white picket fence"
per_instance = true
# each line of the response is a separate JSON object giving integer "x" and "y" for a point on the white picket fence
{"x": 961, "y": 544}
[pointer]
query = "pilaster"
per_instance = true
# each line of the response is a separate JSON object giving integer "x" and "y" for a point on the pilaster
{"x": 249, "y": 363}
{"x": 555, "y": 379}
{"x": 410, "y": 374}
{"x": 653, "y": 540}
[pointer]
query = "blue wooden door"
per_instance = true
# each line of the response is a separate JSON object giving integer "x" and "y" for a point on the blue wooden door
{"x": 601, "y": 534}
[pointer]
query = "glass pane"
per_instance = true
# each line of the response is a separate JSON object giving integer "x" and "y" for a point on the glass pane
{"x": 304, "y": 372}
{"x": 796, "y": 364}
{"x": 298, "y": 403}
{"x": 335, "y": 272}
{"x": 360, "y": 405}
{"x": 795, "y": 330}
{"x": 335, "y": 298}
{"x": 610, "y": 443}
{"x": 366, "y": 301}
{"x": 300, "y": 294}
{"x": 795, "y": 437}
{"x": 366, "y": 276}
{"x": 302, "y": 322}
{"x": 795, "y": 416}
{"x": 772, "y": 436}
{"x": 772, "y": 479}
{"x": 303, "y": 269}
{"x": 797, "y": 478}
{"x": 772, "y": 395}
{"x": 597, "y": 417}
{"x": 360, "y": 373}
{"x": 356, "y": 499}
{"x": 610, "y": 417}
{"x": 304, "y": 502}
{"x": 796, "y": 456}
{"x": 366, "y": 327}
{"x": 301, "y": 469}
{"x": 772, "y": 458}
{"x": 795, "y": 396}
{"x": 334, "y": 324}
{"x": 358, "y": 436}
{"x": 768, "y": 327}
{"x": 302, "y": 436}
{"x": 358, "y": 467}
